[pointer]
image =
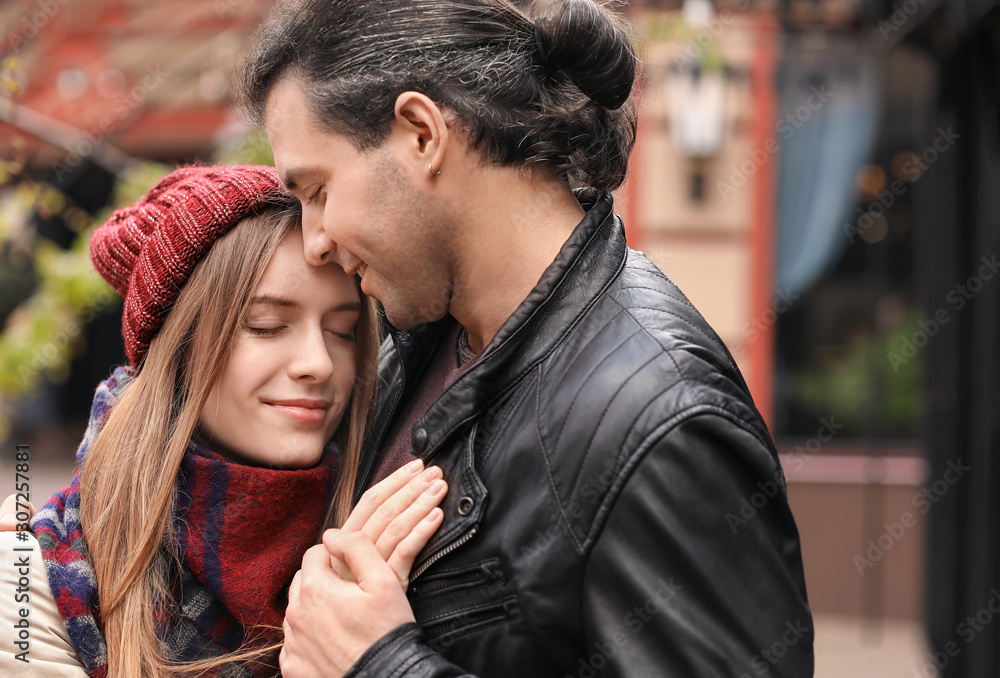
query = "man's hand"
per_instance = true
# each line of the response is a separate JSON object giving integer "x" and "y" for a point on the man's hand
{"x": 331, "y": 621}
{"x": 8, "y": 513}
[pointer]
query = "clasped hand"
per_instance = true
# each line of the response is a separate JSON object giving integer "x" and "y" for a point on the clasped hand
{"x": 351, "y": 589}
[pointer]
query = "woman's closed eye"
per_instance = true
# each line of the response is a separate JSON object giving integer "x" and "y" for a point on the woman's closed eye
{"x": 346, "y": 335}
{"x": 271, "y": 331}
{"x": 264, "y": 331}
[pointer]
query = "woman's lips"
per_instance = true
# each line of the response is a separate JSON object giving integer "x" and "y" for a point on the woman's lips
{"x": 303, "y": 411}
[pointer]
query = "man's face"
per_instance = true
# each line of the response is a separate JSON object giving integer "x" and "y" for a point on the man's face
{"x": 367, "y": 211}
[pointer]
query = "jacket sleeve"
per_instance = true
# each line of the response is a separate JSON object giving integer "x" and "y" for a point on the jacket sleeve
{"x": 697, "y": 571}
{"x": 403, "y": 652}
{"x": 34, "y": 640}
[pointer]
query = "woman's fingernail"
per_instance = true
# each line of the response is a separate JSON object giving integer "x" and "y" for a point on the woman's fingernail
{"x": 414, "y": 466}
{"x": 431, "y": 473}
{"x": 436, "y": 487}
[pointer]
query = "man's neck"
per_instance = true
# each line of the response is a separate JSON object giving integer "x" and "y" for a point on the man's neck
{"x": 514, "y": 224}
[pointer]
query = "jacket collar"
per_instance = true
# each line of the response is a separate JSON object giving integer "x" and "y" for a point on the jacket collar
{"x": 589, "y": 260}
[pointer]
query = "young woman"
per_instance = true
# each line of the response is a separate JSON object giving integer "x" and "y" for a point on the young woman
{"x": 215, "y": 460}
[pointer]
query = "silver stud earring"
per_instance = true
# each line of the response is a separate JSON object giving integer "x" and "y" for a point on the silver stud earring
{"x": 430, "y": 168}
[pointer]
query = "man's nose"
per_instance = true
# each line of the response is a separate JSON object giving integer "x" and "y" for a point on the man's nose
{"x": 319, "y": 248}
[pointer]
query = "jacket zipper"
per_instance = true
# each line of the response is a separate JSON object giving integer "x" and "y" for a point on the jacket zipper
{"x": 449, "y": 583}
{"x": 441, "y": 554}
{"x": 456, "y": 625}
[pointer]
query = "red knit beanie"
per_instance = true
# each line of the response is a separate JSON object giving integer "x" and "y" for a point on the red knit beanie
{"x": 148, "y": 251}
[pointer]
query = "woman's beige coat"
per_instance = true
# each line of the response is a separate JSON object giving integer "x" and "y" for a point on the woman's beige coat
{"x": 49, "y": 653}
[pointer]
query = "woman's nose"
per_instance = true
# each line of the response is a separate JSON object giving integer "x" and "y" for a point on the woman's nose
{"x": 311, "y": 358}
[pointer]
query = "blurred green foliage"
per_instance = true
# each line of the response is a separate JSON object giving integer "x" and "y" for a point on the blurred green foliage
{"x": 253, "y": 149}
{"x": 871, "y": 393}
{"x": 48, "y": 295}
{"x": 43, "y": 334}
{"x": 697, "y": 43}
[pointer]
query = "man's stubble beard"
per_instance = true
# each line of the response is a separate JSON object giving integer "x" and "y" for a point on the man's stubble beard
{"x": 420, "y": 261}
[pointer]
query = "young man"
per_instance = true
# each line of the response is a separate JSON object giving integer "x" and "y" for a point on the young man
{"x": 593, "y": 429}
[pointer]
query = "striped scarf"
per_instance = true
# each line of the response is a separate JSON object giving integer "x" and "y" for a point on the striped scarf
{"x": 240, "y": 530}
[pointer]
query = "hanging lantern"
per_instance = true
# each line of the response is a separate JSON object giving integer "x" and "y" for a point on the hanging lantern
{"x": 697, "y": 85}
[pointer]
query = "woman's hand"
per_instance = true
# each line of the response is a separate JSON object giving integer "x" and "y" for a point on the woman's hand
{"x": 9, "y": 510}
{"x": 399, "y": 516}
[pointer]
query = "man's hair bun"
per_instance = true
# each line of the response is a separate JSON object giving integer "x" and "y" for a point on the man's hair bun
{"x": 590, "y": 46}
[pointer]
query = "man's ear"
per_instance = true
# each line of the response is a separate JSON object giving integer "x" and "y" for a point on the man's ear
{"x": 424, "y": 133}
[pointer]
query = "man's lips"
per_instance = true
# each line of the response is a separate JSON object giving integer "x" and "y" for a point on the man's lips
{"x": 358, "y": 269}
{"x": 303, "y": 410}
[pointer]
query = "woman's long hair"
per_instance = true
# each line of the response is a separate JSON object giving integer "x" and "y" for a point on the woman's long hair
{"x": 128, "y": 476}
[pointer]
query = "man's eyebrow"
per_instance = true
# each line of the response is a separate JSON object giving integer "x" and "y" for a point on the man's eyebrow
{"x": 293, "y": 177}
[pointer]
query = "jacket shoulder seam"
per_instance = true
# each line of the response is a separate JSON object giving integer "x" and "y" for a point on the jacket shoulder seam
{"x": 563, "y": 518}
{"x": 716, "y": 341}
{"x": 659, "y": 343}
{"x": 678, "y": 299}
{"x": 604, "y": 413}
{"x": 593, "y": 369}
{"x": 634, "y": 458}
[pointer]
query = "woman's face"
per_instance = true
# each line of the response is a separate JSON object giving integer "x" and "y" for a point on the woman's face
{"x": 289, "y": 377}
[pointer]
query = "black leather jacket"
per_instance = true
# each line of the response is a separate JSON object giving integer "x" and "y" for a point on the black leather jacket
{"x": 597, "y": 455}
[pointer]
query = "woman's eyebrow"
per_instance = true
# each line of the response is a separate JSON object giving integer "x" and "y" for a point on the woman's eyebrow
{"x": 274, "y": 301}
{"x": 353, "y": 306}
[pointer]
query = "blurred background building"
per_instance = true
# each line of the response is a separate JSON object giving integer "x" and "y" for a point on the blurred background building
{"x": 821, "y": 177}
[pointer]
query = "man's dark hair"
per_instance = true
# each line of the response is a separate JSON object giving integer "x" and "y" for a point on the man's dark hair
{"x": 559, "y": 95}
